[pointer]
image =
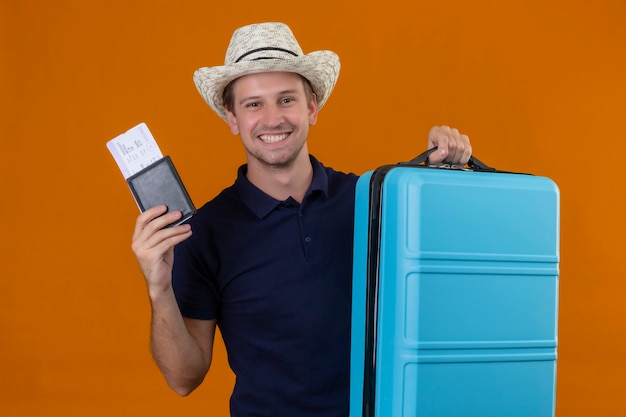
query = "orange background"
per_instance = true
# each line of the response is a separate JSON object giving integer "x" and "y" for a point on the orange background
{"x": 539, "y": 86}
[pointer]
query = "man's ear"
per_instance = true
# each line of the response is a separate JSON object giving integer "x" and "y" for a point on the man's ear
{"x": 313, "y": 110}
{"x": 232, "y": 122}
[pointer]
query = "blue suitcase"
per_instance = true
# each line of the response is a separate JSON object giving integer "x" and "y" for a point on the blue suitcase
{"x": 455, "y": 293}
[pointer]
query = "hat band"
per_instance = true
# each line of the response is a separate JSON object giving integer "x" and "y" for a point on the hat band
{"x": 267, "y": 48}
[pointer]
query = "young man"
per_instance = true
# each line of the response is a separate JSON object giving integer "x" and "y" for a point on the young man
{"x": 269, "y": 259}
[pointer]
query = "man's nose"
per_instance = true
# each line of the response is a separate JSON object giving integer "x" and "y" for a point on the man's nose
{"x": 272, "y": 115}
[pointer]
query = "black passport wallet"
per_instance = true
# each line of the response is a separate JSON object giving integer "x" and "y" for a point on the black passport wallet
{"x": 159, "y": 183}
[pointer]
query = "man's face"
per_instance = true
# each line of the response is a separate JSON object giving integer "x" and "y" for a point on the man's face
{"x": 272, "y": 115}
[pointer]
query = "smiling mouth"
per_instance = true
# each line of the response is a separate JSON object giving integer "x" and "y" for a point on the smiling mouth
{"x": 273, "y": 138}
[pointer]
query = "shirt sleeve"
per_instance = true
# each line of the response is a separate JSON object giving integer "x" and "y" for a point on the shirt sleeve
{"x": 193, "y": 275}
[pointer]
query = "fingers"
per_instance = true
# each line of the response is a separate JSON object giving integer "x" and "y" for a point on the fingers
{"x": 453, "y": 147}
{"x": 147, "y": 216}
{"x": 151, "y": 239}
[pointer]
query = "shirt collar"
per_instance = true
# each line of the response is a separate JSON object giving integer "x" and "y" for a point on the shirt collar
{"x": 262, "y": 204}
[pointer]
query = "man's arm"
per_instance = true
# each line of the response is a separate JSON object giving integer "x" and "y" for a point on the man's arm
{"x": 182, "y": 347}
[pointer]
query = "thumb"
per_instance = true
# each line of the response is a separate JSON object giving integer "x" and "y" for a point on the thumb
{"x": 439, "y": 155}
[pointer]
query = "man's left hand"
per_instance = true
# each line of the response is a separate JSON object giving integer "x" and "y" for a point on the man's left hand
{"x": 453, "y": 147}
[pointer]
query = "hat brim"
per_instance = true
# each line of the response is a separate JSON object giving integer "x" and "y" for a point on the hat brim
{"x": 321, "y": 68}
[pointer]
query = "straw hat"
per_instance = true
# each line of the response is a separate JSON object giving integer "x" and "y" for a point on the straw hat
{"x": 267, "y": 47}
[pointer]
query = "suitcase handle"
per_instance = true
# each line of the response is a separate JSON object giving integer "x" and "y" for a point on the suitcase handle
{"x": 474, "y": 164}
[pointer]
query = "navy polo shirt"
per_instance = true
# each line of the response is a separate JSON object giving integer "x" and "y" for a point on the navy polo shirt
{"x": 277, "y": 276}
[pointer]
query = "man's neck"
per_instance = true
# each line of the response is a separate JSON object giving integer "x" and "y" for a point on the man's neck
{"x": 283, "y": 182}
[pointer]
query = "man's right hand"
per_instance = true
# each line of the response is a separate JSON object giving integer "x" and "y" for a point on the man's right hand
{"x": 153, "y": 245}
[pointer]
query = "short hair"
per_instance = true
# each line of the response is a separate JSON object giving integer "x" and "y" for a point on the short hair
{"x": 228, "y": 96}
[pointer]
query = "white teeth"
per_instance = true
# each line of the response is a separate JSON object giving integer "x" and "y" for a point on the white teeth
{"x": 273, "y": 138}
